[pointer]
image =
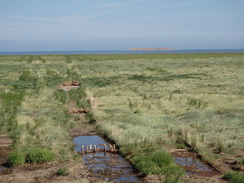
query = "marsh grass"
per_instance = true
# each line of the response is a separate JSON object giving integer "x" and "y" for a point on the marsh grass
{"x": 63, "y": 171}
{"x": 40, "y": 156}
{"x": 146, "y": 99}
{"x": 9, "y": 106}
{"x": 234, "y": 177}
{"x": 48, "y": 115}
{"x": 16, "y": 158}
{"x": 35, "y": 116}
{"x": 159, "y": 163}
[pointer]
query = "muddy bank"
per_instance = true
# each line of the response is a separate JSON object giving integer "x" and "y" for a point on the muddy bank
{"x": 196, "y": 169}
{"x": 191, "y": 163}
{"x": 30, "y": 173}
{"x": 5, "y": 143}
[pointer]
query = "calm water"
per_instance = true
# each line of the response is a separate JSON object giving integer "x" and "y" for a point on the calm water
{"x": 124, "y": 52}
{"x": 193, "y": 165}
{"x": 107, "y": 166}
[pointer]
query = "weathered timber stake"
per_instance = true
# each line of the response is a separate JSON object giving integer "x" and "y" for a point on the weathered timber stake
{"x": 114, "y": 147}
{"x": 96, "y": 148}
{"x": 104, "y": 145}
{"x": 110, "y": 147}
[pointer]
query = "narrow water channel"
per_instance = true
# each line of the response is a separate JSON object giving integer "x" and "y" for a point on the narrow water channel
{"x": 105, "y": 165}
{"x": 112, "y": 167}
{"x": 192, "y": 164}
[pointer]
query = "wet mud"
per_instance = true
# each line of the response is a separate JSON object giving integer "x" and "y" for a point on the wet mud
{"x": 192, "y": 165}
{"x": 104, "y": 165}
{"x": 5, "y": 143}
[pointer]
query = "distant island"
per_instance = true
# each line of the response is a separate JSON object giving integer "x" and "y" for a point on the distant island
{"x": 133, "y": 49}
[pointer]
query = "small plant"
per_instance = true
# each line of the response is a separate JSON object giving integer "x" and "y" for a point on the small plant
{"x": 194, "y": 142}
{"x": 91, "y": 118}
{"x": 202, "y": 137}
{"x": 148, "y": 108}
{"x": 173, "y": 173}
{"x": 63, "y": 171}
{"x": 40, "y": 156}
{"x": 170, "y": 131}
{"x": 219, "y": 144}
{"x": 234, "y": 177}
{"x": 180, "y": 146}
{"x": 145, "y": 97}
{"x": 130, "y": 104}
{"x": 197, "y": 103}
{"x": 16, "y": 158}
{"x": 240, "y": 161}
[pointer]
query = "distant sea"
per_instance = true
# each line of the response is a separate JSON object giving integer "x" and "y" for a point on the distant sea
{"x": 124, "y": 52}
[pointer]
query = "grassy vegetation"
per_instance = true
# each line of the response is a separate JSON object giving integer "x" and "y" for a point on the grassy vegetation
{"x": 143, "y": 102}
{"x": 16, "y": 158}
{"x": 63, "y": 171}
{"x": 40, "y": 156}
{"x": 234, "y": 177}
{"x": 159, "y": 163}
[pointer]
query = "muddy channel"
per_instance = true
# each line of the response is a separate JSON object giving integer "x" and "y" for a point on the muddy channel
{"x": 192, "y": 164}
{"x": 109, "y": 166}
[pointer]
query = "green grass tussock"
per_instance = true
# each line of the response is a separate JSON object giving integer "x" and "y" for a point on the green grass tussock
{"x": 153, "y": 163}
{"x": 234, "y": 177}
{"x": 40, "y": 156}
{"x": 16, "y": 158}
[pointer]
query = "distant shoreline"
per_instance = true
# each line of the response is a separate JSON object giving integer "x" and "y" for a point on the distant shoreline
{"x": 159, "y": 48}
{"x": 123, "y": 51}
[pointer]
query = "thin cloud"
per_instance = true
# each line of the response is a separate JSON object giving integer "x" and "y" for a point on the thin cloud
{"x": 185, "y": 4}
{"x": 119, "y": 4}
{"x": 104, "y": 13}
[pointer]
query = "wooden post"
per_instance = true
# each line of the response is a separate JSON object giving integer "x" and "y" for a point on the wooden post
{"x": 110, "y": 148}
{"x": 95, "y": 146}
{"x": 114, "y": 147}
{"x": 104, "y": 145}
{"x": 82, "y": 148}
{"x": 87, "y": 149}
{"x": 90, "y": 146}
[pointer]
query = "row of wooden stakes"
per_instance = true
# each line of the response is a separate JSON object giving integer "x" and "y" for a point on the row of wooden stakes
{"x": 95, "y": 148}
{"x": 79, "y": 110}
{"x": 71, "y": 83}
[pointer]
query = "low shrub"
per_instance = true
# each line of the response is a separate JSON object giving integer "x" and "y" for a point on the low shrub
{"x": 16, "y": 158}
{"x": 40, "y": 156}
{"x": 234, "y": 177}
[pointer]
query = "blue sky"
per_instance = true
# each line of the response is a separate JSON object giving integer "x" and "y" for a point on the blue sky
{"x": 49, "y": 25}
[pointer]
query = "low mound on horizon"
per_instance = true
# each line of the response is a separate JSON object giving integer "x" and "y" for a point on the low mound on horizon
{"x": 159, "y": 48}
